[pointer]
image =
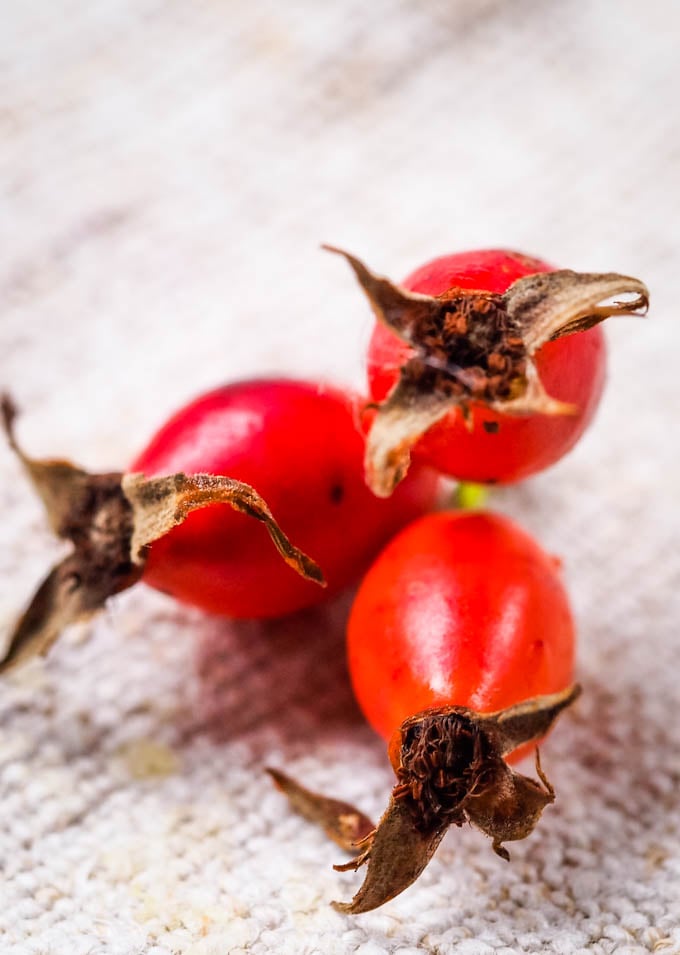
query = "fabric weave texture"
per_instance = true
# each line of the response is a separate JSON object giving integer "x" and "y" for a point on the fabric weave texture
{"x": 168, "y": 172}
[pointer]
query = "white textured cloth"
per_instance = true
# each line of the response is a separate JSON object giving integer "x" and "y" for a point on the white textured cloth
{"x": 168, "y": 170}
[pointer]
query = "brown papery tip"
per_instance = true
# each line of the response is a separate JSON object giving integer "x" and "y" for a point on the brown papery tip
{"x": 341, "y": 821}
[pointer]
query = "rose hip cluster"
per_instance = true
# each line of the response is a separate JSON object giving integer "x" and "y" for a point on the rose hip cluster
{"x": 483, "y": 366}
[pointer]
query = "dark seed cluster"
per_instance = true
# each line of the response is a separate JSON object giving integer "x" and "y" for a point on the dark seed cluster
{"x": 470, "y": 347}
{"x": 101, "y": 526}
{"x": 442, "y": 762}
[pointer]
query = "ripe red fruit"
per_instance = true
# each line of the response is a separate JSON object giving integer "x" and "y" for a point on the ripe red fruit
{"x": 296, "y": 442}
{"x": 299, "y": 445}
{"x": 461, "y": 650}
{"x": 479, "y": 371}
{"x": 459, "y": 609}
{"x": 572, "y": 369}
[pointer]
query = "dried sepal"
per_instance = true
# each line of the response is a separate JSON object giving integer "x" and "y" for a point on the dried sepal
{"x": 550, "y": 305}
{"x": 395, "y": 851}
{"x": 401, "y": 420}
{"x": 111, "y": 519}
{"x": 69, "y": 494}
{"x": 396, "y": 854}
{"x": 73, "y": 591}
{"x": 477, "y": 347}
{"x": 510, "y": 809}
{"x": 450, "y": 771}
{"x": 403, "y": 311}
{"x": 534, "y": 399}
{"x": 159, "y": 504}
{"x": 529, "y": 720}
{"x": 342, "y": 822}
{"x": 91, "y": 511}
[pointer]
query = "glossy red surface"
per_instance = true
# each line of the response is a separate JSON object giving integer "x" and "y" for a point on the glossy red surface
{"x": 463, "y": 609}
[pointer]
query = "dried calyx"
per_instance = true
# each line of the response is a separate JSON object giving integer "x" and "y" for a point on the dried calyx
{"x": 450, "y": 770}
{"x": 341, "y": 821}
{"x": 111, "y": 519}
{"x": 477, "y": 347}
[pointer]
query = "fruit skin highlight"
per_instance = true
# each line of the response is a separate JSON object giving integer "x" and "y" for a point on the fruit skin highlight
{"x": 299, "y": 445}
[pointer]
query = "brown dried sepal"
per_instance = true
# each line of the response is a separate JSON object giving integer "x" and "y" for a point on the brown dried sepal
{"x": 477, "y": 347}
{"x": 450, "y": 771}
{"x": 111, "y": 519}
{"x": 341, "y": 822}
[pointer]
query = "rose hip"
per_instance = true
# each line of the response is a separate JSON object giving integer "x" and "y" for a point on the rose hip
{"x": 476, "y": 365}
{"x": 296, "y": 442}
{"x": 461, "y": 651}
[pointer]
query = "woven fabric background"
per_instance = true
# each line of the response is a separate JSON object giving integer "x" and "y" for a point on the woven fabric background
{"x": 167, "y": 172}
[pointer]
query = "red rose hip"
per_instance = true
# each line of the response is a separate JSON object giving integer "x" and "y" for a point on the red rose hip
{"x": 164, "y": 521}
{"x": 476, "y": 366}
{"x": 461, "y": 651}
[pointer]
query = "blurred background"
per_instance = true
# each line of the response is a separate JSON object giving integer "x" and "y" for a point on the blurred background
{"x": 167, "y": 174}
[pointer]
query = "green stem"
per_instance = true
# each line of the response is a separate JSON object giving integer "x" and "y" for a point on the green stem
{"x": 470, "y": 496}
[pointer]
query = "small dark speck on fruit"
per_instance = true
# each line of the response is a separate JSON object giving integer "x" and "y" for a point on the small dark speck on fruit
{"x": 491, "y": 427}
{"x": 337, "y": 493}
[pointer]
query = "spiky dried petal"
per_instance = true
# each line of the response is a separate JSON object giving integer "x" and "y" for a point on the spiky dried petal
{"x": 341, "y": 822}
{"x": 511, "y": 809}
{"x": 159, "y": 504}
{"x": 397, "y": 854}
{"x": 74, "y": 590}
{"x": 401, "y": 420}
{"x": 550, "y": 305}
{"x": 529, "y": 720}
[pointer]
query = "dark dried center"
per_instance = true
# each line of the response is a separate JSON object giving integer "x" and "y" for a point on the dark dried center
{"x": 443, "y": 759}
{"x": 469, "y": 347}
{"x": 100, "y": 524}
